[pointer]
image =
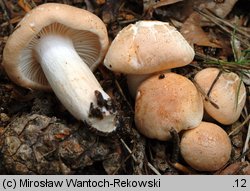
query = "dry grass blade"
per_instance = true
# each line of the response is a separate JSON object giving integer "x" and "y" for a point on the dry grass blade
{"x": 5, "y": 13}
{"x": 222, "y": 21}
{"x": 24, "y": 5}
{"x": 182, "y": 168}
{"x": 214, "y": 82}
{"x": 153, "y": 169}
{"x": 151, "y": 4}
{"x": 204, "y": 94}
{"x": 229, "y": 28}
{"x": 124, "y": 97}
{"x": 240, "y": 126}
{"x": 12, "y": 21}
{"x": 226, "y": 65}
{"x": 134, "y": 158}
{"x": 194, "y": 34}
{"x": 164, "y": 3}
{"x": 246, "y": 145}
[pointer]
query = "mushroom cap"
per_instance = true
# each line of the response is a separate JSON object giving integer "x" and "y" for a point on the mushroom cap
{"x": 87, "y": 32}
{"x": 228, "y": 93}
{"x": 166, "y": 101}
{"x": 206, "y": 147}
{"x": 147, "y": 47}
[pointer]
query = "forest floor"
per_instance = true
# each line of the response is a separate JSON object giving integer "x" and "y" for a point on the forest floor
{"x": 38, "y": 135}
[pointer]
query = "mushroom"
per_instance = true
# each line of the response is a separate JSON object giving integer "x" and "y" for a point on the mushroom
{"x": 228, "y": 93}
{"x": 56, "y": 46}
{"x": 147, "y": 47}
{"x": 167, "y": 101}
{"x": 134, "y": 81}
{"x": 206, "y": 147}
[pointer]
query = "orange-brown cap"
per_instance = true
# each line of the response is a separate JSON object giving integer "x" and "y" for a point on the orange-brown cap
{"x": 228, "y": 93}
{"x": 148, "y": 47}
{"x": 206, "y": 147}
{"x": 166, "y": 101}
{"x": 86, "y": 30}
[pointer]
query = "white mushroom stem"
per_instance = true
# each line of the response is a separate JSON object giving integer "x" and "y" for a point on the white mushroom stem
{"x": 135, "y": 80}
{"x": 72, "y": 80}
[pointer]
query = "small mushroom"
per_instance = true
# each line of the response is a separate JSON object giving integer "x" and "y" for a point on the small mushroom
{"x": 225, "y": 90}
{"x": 147, "y": 47}
{"x": 206, "y": 147}
{"x": 56, "y": 46}
{"x": 167, "y": 101}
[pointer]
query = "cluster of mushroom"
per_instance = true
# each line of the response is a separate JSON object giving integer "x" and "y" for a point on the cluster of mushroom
{"x": 57, "y": 47}
{"x": 166, "y": 100}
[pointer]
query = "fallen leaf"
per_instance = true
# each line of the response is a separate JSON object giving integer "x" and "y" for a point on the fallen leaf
{"x": 194, "y": 34}
{"x": 186, "y": 8}
{"x": 150, "y": 5}
{"x": 220, "y": 9}
{"x": 238, "y": 168}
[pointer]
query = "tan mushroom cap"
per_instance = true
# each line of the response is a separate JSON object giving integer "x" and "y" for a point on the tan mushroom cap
{"x": 228, "y": 93}
{"x": 147, "y": 47}
{"x": 206, "y": 147}
{"x": 166, "y": 101}
{"x": 87, "y": 31}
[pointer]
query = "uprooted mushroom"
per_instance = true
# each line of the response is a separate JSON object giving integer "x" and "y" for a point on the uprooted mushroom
{"x": 47, "y": 50}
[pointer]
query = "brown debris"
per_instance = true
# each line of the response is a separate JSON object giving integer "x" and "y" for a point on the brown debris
{"x": 38, "y": 136}
{"x": 194, "y": 34}
{"x": 150, "y": 5}
{"x": 25, "y": 5}
{"x": 238, "y": 168}
{"x": 42, "y": 145}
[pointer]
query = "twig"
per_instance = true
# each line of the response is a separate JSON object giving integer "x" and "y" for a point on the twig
{"x": 211, "y": 61}
{"x": 214, "y": 82}
{"x": 153, "y": 168}
{"x": 176, "y": 143}
{"x": 219, "y": 24}
{"x": 240, "y": 126}
{"x": 33, "y": 4}
{"x": 11, "y": 21}
{"x": 239, "y": 170}
{"x": 128, "y": 21}
{"x": 241, "y": 156}
{"x": 24, "y": 5}
{"x": 246, "y": 145}
{"x": 2, "y": 4}
{"x": 134, "y": 158}
{"x": 204, "y": 94}
{"x": 124, "y": 97}
{"x": 182, "y": 168}
{"x": 128, "y": 149}
{"x": 227, "y": 23}
{"x": 232, "y": 162}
